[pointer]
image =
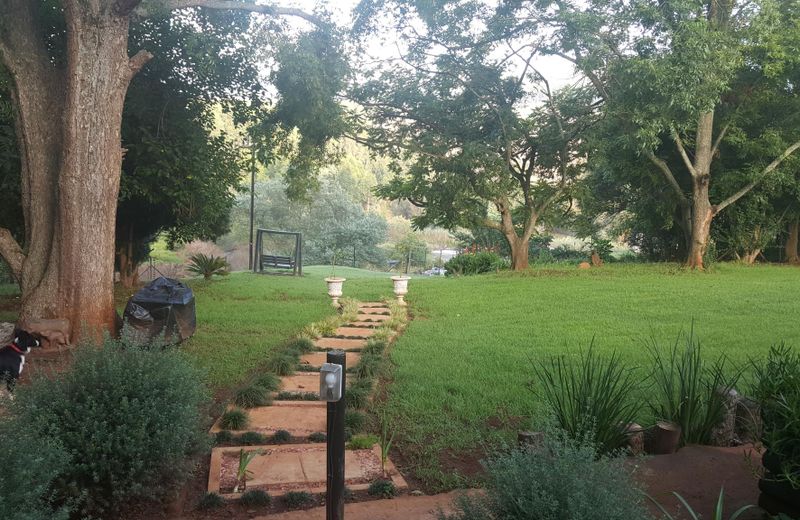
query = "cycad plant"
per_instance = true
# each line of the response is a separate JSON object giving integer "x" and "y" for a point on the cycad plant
{"x": 718, "y": 510}
{"x": 208, "y": 265}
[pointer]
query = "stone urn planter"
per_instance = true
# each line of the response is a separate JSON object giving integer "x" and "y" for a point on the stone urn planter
{"x": 401, "y": 288}
{"x": 335, "y": 289}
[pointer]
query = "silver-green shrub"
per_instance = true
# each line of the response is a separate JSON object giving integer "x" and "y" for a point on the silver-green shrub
{"x": 126, "y": 420}
{"x": 562, "y": 479}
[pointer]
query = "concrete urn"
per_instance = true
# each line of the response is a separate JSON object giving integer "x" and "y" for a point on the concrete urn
{"x": 400, "y": 288}
{"x": 335, "y": 289}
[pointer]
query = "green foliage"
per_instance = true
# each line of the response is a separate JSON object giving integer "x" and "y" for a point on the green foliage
{"x": 251, "y": 439}
{"x": 283, "y": 363}
{"x": 362, "y": 442}
{"x": 475, "y": 263}
{"x": 591, "y": 396}
{"x": 281, "y": 436}
{"x": 131, "y": 415}
{"x": 30, "y": 468}
{"x": 716, "y": 515}
{"x": 317, "y": 437}
{"x": 354, "y": 420}
{"x": 252, "y": 396}
{"x": 297, "y": 396}
{"x": 301, "y": 345}
{"x": 208, "y": 265}
{"x": 268, "y": 381}
{"x": 223, "y": 437}
{"x": 234, "y": 419}
{"x": 687, "y": 390}
{"x": 562, "y": 479}
{"x": 211, "y": 501}
{"x": 382, "y": 488}
{"x": 777, "y": 389}
{"x": 358, "y": 396}
{"x": 255, "y": 498}
{"x": 334, "y": 221}
{"x": 469, "y": 147}
{"x": 297, "y": 499}
{"x": 242, "y": 473}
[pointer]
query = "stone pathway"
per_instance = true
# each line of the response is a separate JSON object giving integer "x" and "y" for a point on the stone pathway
{"x": 280, "y": 468}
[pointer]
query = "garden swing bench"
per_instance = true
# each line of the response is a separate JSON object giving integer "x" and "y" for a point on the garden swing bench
{"x": 273, "y": 260}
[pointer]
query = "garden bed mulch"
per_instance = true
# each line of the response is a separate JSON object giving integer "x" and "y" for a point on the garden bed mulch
{"x": 697, "y": 473}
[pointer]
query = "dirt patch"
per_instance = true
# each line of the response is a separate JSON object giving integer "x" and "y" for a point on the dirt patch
{"x": 698, "y": 473}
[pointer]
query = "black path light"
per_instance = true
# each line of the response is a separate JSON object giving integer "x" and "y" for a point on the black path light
{"x": 332, "y": 381}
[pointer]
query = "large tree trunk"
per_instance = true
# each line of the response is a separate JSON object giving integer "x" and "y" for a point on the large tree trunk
{"x": 792, "y": 256}
{"x": 519, "y": 253}
{"x": 702, "y": 214}
{"x": 68, "y": 126}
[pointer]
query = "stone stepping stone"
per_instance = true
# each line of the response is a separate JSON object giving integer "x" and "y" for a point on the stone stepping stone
{"x": 354, "y": 332}
{"x": 365, "y": 324}
{"x": 316, "y": 359}
{"x": 367, "y": 305}
{"x": 339, "y": 343}
{"x": 302, "y": 382}
{"x": 373, "y": 317}
{"x": 300, "y": 418}
{"x": 374, "y": 310}
{"x": 296, "y": 467}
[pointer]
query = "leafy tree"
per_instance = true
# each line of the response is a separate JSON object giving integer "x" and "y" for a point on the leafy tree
{"x": 481, "y": 138}
{"x": 331, "y": 222}
{"x": 69, "y": 71}
{"x": 686, "y": 84}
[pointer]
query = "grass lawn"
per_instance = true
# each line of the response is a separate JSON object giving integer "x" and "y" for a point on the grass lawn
{"x": 463, "y": 364}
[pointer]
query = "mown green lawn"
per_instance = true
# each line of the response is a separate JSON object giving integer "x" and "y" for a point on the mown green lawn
{"x": 463, "y": 365}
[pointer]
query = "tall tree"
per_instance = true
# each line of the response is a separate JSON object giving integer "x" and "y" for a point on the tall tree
{"x": 679, "y": 80}
{"x": 484, "y": 140}
{"x": 68, "y": 112}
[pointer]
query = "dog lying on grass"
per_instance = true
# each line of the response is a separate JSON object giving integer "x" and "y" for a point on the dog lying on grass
{"x": 12, "y": 360}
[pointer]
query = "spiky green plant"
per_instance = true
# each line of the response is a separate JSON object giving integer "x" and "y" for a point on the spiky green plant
{"x": 208, "y": 265}
{"x": 590, "y": 395}
{"x": 268, "y": 381}
{"x": 235, "y": 419}
{"x": 242, "y": 473}
{"x": 687, "y": 390}
{"x": 252, "y": 396}
{"x": 718, "y": 510}
{"x": 387, "y": 437}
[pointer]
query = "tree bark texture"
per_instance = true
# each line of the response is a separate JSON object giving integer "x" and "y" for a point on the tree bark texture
{"x": 792, "y": 256}
{"x": 68, "y": 125}
{"x": 68, "y": 117}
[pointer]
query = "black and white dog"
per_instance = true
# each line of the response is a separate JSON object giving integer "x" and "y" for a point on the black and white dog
{"x": 12, "y": 359}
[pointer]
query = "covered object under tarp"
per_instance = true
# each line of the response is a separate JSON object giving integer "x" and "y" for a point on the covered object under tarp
{"x": 164, "y": 306}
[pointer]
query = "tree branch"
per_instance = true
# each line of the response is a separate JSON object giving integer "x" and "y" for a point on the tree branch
{"x": 682, "y": 151}
{"x": 664, "y": 167}
{"x": 719, "y": 139}
{"x": 11, "y": 251}
{"x": 138, "y": 61}
{"x": 764, "y": 173}
{"x": 171, "y": 5}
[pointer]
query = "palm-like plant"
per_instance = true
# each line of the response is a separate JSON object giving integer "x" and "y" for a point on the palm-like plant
{"x": 208, "y": 265}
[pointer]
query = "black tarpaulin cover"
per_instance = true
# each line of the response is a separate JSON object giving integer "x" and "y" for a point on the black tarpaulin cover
{"x": 163, "y": 306}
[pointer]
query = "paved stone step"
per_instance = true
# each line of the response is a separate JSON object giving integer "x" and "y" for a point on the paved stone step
{"x": 364, "y": 324}
{"x": 295, "y": 467}
{"x": 302, "y": 382}
{"x": 339, "y": 343}
{"x": 373, "y": 317}
{"x": 353, "y": 332}
{"x": 300, "y": 418}
{"x": 381, "y": 311}
{"x": 316, "y": 359}
{"x": 368, "y": 305}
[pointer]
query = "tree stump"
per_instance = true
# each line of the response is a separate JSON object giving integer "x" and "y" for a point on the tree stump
{"x": 662, "y": 438}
